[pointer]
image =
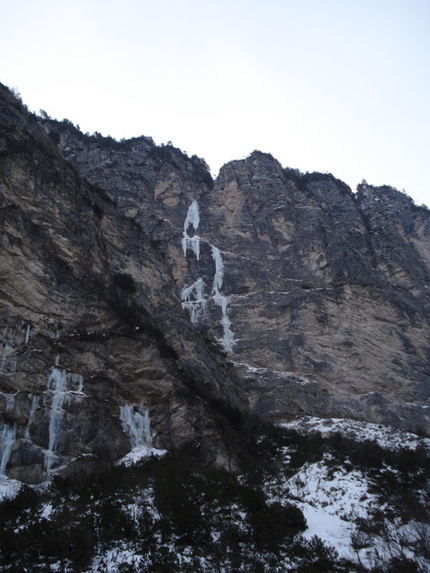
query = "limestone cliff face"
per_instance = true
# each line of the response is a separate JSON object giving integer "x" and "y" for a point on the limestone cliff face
{"x": 326, "y": 292}
{"x": 328, "y": 285}
{"x": 137, "y": 296}
{"x": 97, "y": 355}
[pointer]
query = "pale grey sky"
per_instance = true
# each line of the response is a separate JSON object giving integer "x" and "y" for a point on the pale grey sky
{"x": 340, "y": 86}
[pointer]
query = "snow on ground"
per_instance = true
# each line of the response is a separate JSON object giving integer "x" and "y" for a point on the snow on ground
{"x": 331, "y": 499}
{"x": 144, "y": 503}
{"x": 9, "y": 487}
{"x": 139, "y": 453}
{"x": 112, "y": 559}
{"x": 47, "y": 510}
{"x": 384, "y": 436}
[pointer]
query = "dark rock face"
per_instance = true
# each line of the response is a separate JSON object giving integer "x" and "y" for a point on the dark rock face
{"x": 136, "y": 290}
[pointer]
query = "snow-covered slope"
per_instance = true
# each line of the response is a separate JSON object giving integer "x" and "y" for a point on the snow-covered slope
{"x": 314, "y": 495}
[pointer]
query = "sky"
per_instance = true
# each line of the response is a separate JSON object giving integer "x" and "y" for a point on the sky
{"x": 337, "y": 86}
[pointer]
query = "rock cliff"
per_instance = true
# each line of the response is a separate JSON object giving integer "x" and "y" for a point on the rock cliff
{"x": 143, "y": 304}
{"x": 97, "y": 355}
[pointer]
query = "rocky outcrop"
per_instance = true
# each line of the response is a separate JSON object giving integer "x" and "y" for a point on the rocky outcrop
{"x": 141, "y": 300}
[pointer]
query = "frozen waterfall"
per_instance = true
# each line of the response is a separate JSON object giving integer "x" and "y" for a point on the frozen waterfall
{"x": 137, "y": 424}
{"x": 192, "y": 219}
{"x": 62, "y": 385}
{"x": 7, "y": 440}
{"x": 227, "y": 340}
{"x": 193, "y": 296}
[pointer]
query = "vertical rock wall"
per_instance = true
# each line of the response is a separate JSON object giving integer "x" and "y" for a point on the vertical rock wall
{"x": 137, "y": 295}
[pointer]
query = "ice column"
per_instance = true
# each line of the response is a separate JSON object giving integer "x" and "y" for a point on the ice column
{"x": 7, "y": 439}
{"x": 193, "y": 219}
{"x": 34, "y": 407}
{"x": 227, "y": 340}
{"x": 57, "y": 385}
{"x": 137, "y": 425}
{"x": 193, "y": 300}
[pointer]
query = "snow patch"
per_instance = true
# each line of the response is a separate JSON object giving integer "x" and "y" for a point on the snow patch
{"x": 112, "y": 559}
{"x": 334, "y": 499}
{"x": 9, "y": 488}
{"x": 139, "y": 453}
{"x": 282, "y": 374}
{"x": 331, "y": 499}
{"x": 384, "y": 436}
{"x": 47, "y": 510}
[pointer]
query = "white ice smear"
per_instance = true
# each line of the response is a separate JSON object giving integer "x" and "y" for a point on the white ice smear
{"x": 193, "y": 220}
{"x": 34, "y": 406}
{"x": 7, "y": 440}
{"x": 62, "y": 385}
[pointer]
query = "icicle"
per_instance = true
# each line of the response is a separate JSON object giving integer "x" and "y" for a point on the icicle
{"x": 193, "y": 300}
{"x": 27, "y": 334}
{"x": 7, "y": 440}
{"x": 34, "y": 407}
{"x": 193, "y": 219}
{"x": 137, "y": 425}
{"x": 192, "y": 243}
